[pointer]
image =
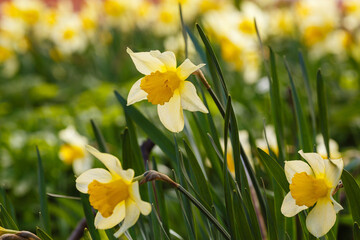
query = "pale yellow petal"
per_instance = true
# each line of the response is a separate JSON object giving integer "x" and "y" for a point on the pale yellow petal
{"x": 321, "y": 218}
{"x": 187, "y": 68}
{"x": 111, "y": 162}
{"x": 333, "y": 170}
{"x": 316, "y": 162}
{"x": 171, "y": 114}
{"x": 289, "y": 207}
{"x": 114, "y": 219}
{"x": 80, "y": 165}
{"x": 136, "y": 94}
{"x": 337, "y": 206}
{"x": 296, "y": 166}
{"x": 98, "y": 174}
{"x": 132, "y": 215}
{"x": 127, "y": 175}
{"x": 190, "y": 100}
{"x": 145, "y": 62}
{"x": 145, "y": 207}
{"x": 167, "y": 58}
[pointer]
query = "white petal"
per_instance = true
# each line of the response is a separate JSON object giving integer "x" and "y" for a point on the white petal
{"x": 316, "y": 162}
{"x": 98, "y": 174}
{"x": 111, "y": 162}
{"x": 82, "y": 164}
{"x": 145, "y": 62}
{"x": 333, "y": 170}
{"x": 145, "y": 207}
{"x": 337, "y": 206}
{"x": 167, "y": 58}
{"x": 115, "y": 218}
{"x": 132, "y": 215}
{"x": 289, "y": 207}
{"x": 296, "y": 166}
{"x": 321, "y": 218}
{"x": 70, "y": 136}
{"x": 171, "y": 113}
{"x": 190, "y": 100}
{"x": 136, "y": 94}
{"x": 127, "y": 175}
{"x": 187, "y": 68}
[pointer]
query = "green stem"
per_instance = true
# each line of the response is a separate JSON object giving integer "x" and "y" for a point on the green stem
{"x": 152, "y": 175}
{"x": 205, "y": 211}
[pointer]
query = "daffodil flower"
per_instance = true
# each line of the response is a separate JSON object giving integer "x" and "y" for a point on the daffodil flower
{"x": 73, "y": 150}
{"x": 112, "y": 193}
{"x": 164, "y": 85}
{"x": 313, "y": 184}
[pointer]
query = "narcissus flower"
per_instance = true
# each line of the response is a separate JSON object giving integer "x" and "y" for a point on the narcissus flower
{"x": 313, "y": 184}
{"x": 164, "y": 85}
{"x": 73, "y": 152}
{"x": 112, "y": 193}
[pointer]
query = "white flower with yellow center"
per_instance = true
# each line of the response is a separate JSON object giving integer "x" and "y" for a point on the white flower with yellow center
{"x": 73, "y": 152}
{"x": 164, "y": 85}
{"x": 112, "y": 193}
{"x": 313, "y": 184}
{"x": 321, "y": 148}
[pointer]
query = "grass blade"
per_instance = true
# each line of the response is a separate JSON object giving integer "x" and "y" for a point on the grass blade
{"x": 45, "y": 219}
{"x": 89, "y": 215}
{"x": 212, "y": 55}
{"x": 309, "y": 95}
{"x": 305, "y": 141}
{"x": 42, "y": 234}
{"x": 274, "y": 169}
{"x": 322, "y": 108}
{"x": 352, "y": 194}
{"x": 99, "y": 137}
{"x": 6, "y": 219}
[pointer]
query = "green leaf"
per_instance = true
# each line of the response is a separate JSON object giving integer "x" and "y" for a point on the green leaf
{"x": 356, "y": 231}
{"x": 149, "y": 128}
{"x": 276, "y": 109}
{"x": 6, "y": 219}
{"x": 274, "y": 169}
{"x": 99, "y": 137}
{"x": 42, "y": 234}
{"x": 322, "y": 108}
{"x": 89, "y": 215}
{"x": 309, "y": 95}
{"x": 200, "y": 180}
{"x": 212, "y": 55}
{"x": 130, "y": 159}
{"x": 352, "y": 194}
{"x": 45, "y": 219}
{"x": 305, "y": 140}
{"x": 160, "y": 223}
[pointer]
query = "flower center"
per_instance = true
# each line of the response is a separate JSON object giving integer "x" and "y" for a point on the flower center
{"x": 160, "y": 86}
{"x": 247, "y": 26}
{"x": 69, "y": 153}
{"x": 307, "y": 190}
{"x": 105, "y": 196}
{"x": 68, "y": 34}
{"x": 114, "y": 8}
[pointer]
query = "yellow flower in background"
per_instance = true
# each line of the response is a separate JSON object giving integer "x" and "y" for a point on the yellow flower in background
{"x": 321, "y": 148}
{"x": 313, "y": 184}
{"x": 164, "y": 85}
{"x": 112, "y": 193}
{"x": 271, "y": 140}
{"x": 73, "y": 152}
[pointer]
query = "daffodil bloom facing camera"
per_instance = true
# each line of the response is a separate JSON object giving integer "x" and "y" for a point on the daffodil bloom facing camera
{"x": 164, "y": 85}
{"x": 312, "y": 185}
{"x": 113, "y": 193}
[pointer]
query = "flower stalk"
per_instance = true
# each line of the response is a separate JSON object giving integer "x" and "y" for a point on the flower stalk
{"x": 200, "y": 75}
{"x": 152, "y": 175}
